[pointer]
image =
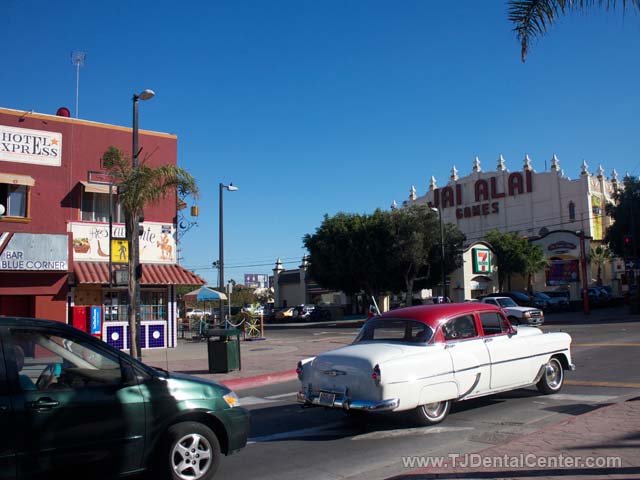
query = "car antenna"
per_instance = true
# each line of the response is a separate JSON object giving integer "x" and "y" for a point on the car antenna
{"x": 373, "y": 299}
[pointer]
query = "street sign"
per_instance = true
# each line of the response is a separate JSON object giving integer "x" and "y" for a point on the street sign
{"x": 96, "y": 320}
{"x": 119, "y": 251}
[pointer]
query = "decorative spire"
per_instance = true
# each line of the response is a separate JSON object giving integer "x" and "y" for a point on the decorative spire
{"x": 562, "y": 173}
{"x": 412, "y": 193}
{"x": 614, "y": 175}
{"x": 585, "y": 168}
{"x": 627, "y": 174}
{"x": 454, "y": 174}
{"x": 555, "y": 163}
{"x": 600, "y": 172}
{"x": 476, "y": 164}
{"x": 278, "y": 265}
{"x": 501, "y": 166}
{"x": 527, "y": 163}
{"x": 432, "y": 183}
{"x": 305, "y": 262}
{"x": 394, "y": 205}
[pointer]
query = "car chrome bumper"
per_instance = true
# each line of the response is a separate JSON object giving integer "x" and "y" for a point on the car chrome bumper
{"x": 572, "y": 367}
{"x": 345, "y": 403}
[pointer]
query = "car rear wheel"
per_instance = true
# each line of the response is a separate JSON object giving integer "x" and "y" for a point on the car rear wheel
{"x": 191, "y": 451}
{"x": 553, "y": 377}
{"x": 432, "y": 413}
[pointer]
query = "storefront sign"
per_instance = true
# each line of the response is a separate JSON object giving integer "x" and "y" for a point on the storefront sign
{"x": 562, "y": 272}
{"x": 22, "y": 145}
{"x": 96, "y": 320}
{"x": 35, "y": 252}
{"x": 481, "y": 260}
{"x": 91, "y": 242}
{"x": 561, "y": 247}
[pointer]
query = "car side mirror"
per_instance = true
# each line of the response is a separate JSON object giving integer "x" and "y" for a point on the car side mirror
{"x": 513, "y": 330}
{"x": 129, "y": 377}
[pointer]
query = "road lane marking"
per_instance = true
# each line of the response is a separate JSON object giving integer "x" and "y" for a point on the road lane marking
{"x": 585, "y": 383}
{"x": 282, "y": 395}
{"x": 605, "y": 345}
{"x": 406, "y": 432}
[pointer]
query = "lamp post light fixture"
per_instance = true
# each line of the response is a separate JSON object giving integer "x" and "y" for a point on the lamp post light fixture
{"x": 135, "y": 273}
{"x": 232, "y": 188}
{"x": 442, "y": 265}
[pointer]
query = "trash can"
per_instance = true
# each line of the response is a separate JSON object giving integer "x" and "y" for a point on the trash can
{"x": 223, "y": 350}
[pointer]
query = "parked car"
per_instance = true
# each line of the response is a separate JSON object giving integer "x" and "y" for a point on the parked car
{"x": 542, "y": 301}
{"x": 196, "y": 312}
{"x": 303, "y": 312}
{"x": 421, "y": 359}
{"x": 284, "y": 314}
{"x": 74, "y": 404}
{"x": 515, "y": 313}
{"x": 520, "y": 298}
{"x": 558, "y": 300}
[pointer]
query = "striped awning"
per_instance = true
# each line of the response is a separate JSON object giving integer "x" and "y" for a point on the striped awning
{"x": 152, "y": 274}
{"x": 96, "y": 187}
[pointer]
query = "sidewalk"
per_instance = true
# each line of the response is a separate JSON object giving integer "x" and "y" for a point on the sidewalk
{"x": 603, "y": 443}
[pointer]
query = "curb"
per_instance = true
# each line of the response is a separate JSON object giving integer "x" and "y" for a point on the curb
{"x": 260, "y": 380}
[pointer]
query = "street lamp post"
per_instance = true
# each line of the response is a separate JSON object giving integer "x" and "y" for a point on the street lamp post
{"x": 232, "y": 188}
{"x": 442, "y": 265}
{"x": 135, "y": 272}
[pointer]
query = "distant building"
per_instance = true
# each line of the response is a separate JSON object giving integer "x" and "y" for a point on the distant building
{"x": 546, "y": 207}
{"x": 256, "y": 280}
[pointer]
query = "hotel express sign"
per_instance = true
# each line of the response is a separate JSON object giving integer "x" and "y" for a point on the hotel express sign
{"x": 30, "y": 146}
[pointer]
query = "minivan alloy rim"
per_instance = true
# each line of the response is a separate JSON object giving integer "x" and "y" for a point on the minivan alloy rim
{"x": 191, "y": 457}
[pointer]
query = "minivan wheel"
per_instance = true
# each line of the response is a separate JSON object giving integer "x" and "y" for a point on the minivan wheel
{"x": 191, "y": 452}
{"x": 431, "y": 413}
{"x": 552, "y": 379}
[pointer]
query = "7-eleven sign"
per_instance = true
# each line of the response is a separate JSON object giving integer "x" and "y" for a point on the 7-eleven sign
{"x": 481, "y": 260}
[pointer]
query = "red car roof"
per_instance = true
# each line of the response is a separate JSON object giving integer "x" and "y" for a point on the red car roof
{"x": 433, "y": 315}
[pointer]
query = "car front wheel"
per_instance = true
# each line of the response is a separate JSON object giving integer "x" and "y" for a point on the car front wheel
{"x": 432, "y": 413}
{"x": 553, "y": 377}
{"x": 191, "y": 452}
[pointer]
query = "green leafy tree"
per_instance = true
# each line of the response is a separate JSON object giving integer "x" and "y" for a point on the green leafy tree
{"x": 349, "y": 252}
{"x": 431, "y": 276}
{"x": 510, "y": 250}
{"x": 532, "y": 18}
{"x": 241, "y": 296}
{"x": 534, "y": 261}
{"x": 600, "y": 256}
{"x": 138, "y": 188}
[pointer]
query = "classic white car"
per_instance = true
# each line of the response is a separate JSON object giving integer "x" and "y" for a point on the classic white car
{"x": 424, "y": 358}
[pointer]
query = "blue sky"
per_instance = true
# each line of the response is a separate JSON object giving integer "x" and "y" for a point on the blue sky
{"x": 315, "y": 107}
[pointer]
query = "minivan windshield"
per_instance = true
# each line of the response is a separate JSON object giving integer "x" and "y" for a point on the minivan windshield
{"x": 394, "y": 330}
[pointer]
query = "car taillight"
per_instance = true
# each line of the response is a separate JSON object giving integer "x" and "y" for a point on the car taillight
{"x": 299, "y": 370}
{"x": 376, "y": 374}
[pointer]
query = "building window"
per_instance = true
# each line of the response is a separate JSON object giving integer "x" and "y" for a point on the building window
{"x": 572, "y": 211}
{"x": 14, "y": 198}
{"x": 95, "y": 208}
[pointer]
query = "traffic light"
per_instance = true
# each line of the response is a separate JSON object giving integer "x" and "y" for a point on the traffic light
{"x": 627, "y": 242}
{"x": 140, "y": 225}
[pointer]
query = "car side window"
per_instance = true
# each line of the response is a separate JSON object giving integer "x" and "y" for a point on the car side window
{"x": 491, "y": 301}
{"x": 493, "y": 323}
{"x": 460, "y": 328}
{"x": 47, "y": 361}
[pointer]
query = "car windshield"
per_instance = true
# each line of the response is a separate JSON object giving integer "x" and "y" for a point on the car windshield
{"x": 542, "y": 295}
{"x": 507, "y": 302}
{"x": 394, "y": 330}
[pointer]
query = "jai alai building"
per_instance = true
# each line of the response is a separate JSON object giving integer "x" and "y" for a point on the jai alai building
{"x": 54, "y": 230}
{"x": 548, "y": 208}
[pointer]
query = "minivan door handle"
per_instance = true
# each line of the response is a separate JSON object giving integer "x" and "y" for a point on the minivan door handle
{"x": 42, "y": 404}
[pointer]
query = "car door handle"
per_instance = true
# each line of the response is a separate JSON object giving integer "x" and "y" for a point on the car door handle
{"x": 449, "y": 345}
{"x": 487, "y": 340}
{"x": 42, "y": 404}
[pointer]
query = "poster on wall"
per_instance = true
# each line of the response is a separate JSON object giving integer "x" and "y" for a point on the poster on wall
{"x": 596, "y": 216}
{"x": 562, "y": 272}
{"x": 91, "y": 242}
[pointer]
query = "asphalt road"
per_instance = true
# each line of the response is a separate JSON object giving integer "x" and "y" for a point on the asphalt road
{"x": 288, "y": 442}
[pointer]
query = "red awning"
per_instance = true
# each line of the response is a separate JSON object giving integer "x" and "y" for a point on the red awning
{"x": 152, "y": 274}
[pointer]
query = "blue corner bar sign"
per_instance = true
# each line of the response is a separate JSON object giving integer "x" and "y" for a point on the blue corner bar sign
{"x": 96, "y": 320}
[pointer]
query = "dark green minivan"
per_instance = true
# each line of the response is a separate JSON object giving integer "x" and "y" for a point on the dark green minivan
{"x": 71, "y": 407}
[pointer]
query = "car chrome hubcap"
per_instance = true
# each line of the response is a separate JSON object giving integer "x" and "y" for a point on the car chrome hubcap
{"x": 191, "y": 457}
{"x": 434, "y": 410}
{"x": 554, "y": 374}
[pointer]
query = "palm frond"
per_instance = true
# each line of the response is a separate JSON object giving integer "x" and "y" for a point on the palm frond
{"x": 533, "y": 18}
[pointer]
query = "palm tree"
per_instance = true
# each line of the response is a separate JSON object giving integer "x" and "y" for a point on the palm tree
{"x": 600, "y": 256}
{"x": 138, "y": 188}
{"x": 534, "y": 261}
{"x": 532, "y": 18}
